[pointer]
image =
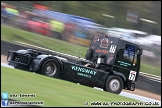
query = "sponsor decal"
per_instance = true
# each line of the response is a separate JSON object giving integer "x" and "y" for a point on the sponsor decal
{"x": 83, "y": 71}
{"x": 104, "y": 43}
{"x": 112, "y": 48}
{"x": 109, "y": 60}
{"x": 102, "y": 51}
{"x": 124, "y": 63}
{"x": 132, "y": 75}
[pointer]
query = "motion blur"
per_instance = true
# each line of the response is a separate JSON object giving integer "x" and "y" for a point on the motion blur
{"x": 76, "y": 22}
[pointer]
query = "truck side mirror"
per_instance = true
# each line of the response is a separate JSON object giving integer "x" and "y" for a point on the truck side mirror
{"x": 139, "y": 51}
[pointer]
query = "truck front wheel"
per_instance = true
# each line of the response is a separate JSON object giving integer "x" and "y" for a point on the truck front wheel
{"x": 51, "y": 68}
{"x": 114, "y": 84}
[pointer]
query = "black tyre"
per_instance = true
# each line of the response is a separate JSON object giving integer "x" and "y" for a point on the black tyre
{"x": 132, "y": 88}
{"x": 114, "y": 84}
{"x": 51, "y": 68}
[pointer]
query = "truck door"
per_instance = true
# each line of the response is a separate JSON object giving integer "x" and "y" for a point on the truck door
{"x": 126, "y": 61}
{"x": 136, "y": 62}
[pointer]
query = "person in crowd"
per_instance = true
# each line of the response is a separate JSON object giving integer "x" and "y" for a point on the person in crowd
{"x": 3, "y": 13}
{"x": 57, "y": 28}
{"x": 69, "y": 30}
{"x": 12, "y": 13}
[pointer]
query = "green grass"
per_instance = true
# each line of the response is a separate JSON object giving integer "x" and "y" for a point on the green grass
{"x": 150, "y": 69}
{"x": 10, "y": 34}
{"x": 54, "y": 92}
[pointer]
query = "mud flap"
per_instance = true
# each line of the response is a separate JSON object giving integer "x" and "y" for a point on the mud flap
{"x": 132, "y": 86}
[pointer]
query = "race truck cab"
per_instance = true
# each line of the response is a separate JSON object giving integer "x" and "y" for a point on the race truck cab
{"x": 110, "y": 63}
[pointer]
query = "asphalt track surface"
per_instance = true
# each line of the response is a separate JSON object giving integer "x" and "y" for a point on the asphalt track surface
{"x": 125, "y": 94}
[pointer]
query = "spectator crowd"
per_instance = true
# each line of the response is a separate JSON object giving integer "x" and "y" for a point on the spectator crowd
{"x": 44, "y": 25}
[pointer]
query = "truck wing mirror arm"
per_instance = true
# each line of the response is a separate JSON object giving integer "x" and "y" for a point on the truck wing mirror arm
{"x": 139, "y": 51}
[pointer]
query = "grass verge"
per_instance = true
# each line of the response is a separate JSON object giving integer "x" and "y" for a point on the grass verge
{"x": 54, "y": 92}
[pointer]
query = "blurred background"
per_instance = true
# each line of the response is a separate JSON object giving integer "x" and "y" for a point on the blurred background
{"x": 77, "y": 21}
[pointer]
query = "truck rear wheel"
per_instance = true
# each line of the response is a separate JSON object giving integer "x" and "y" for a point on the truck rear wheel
{"x": 51, "y": 68}
{"x": 114, "y": 84}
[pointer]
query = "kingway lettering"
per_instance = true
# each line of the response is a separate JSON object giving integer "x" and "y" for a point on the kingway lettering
{"x": 83, "y": 70}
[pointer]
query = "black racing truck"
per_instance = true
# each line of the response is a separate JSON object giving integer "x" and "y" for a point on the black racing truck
{"x": 110, "y": 63}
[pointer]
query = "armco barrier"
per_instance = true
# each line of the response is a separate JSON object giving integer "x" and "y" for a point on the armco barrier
{"x": 145, "y": 81}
